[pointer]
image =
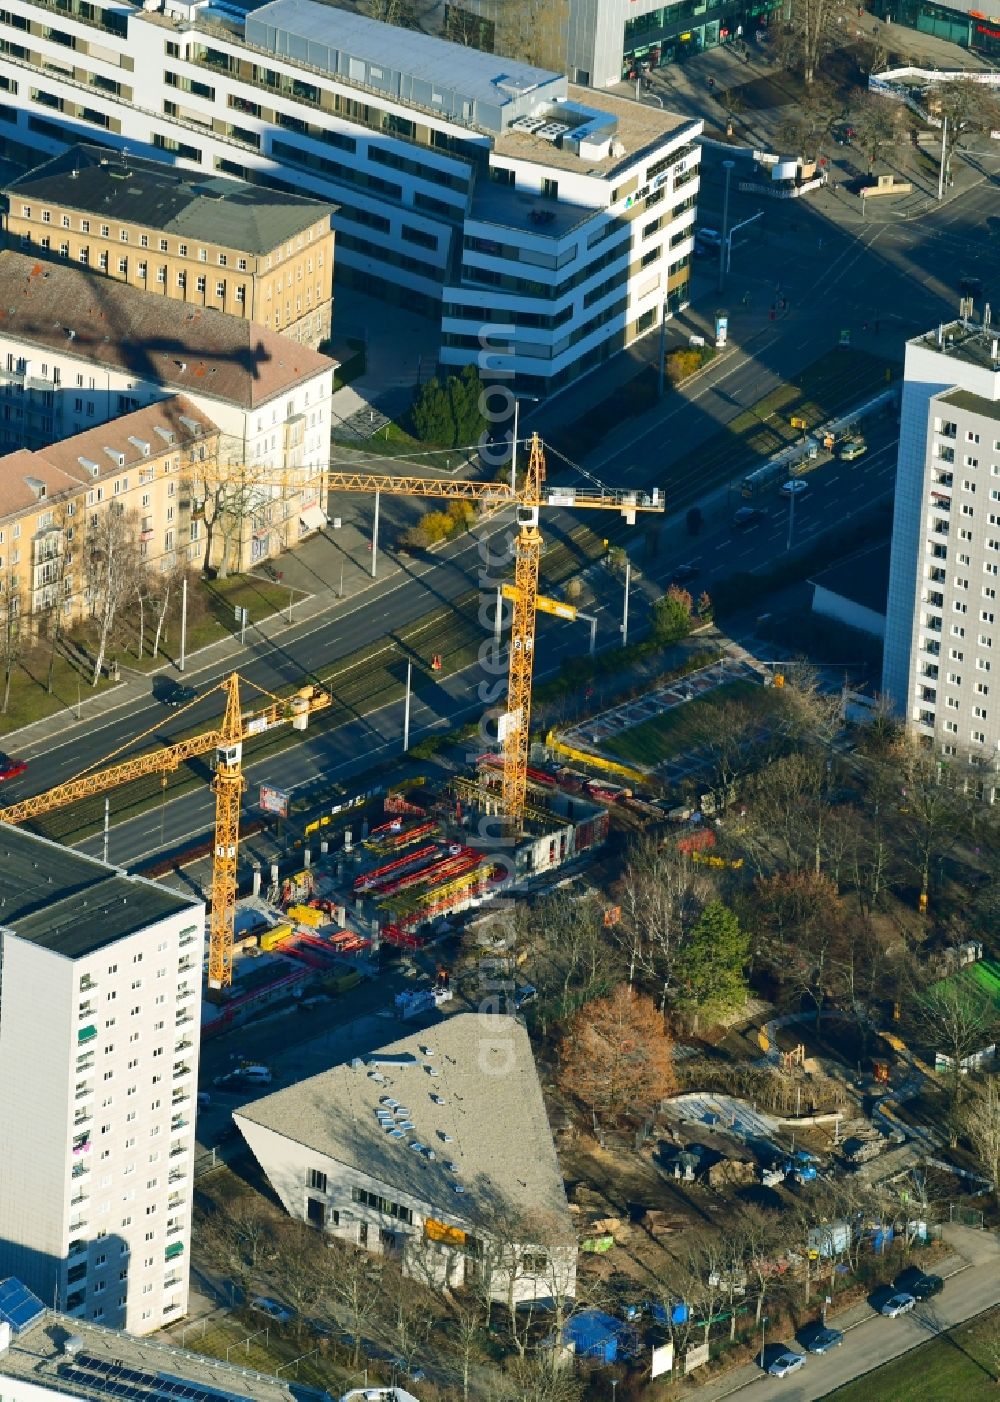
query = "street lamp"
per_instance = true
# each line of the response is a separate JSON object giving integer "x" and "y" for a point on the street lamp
{"x": 727, "y": 166}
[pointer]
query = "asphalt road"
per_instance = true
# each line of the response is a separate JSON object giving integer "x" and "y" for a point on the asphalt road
{"x": 872, "y": 1340}
{"x": 900, "y": 276}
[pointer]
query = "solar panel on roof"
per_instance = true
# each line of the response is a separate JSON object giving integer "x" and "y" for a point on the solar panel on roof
{"x": 18, "y": 1306}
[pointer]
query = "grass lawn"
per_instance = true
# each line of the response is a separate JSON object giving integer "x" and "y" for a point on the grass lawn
{"x": 678, "y": 730}
{"x": 264, "y": 1347}
{"x": 961, "y": 1364}
{"x": 29, "y": 695}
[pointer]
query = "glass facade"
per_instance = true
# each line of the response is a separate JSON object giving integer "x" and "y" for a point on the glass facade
{"x": 675, "y": 32}
{"x": 942, "y": 22}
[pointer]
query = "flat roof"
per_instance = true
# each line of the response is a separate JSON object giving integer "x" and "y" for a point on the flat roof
{"x": 215, "y": 209}
{"x": 971, "y": 403}
{"x": 73, "y": 904}
{"x": 640, "y": 127}
{"x": 36, "y": 1356}
{"x": 56, "y": 306}
{"x": 863, "y": 579}
{"x": 472, "y": 1095}
{"x": 968, "y": 341}
{"x": 405, "y": 63}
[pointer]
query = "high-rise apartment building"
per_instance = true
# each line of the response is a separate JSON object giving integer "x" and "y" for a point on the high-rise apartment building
{"x": 482, "y": 191}
{"x": 99, "y": 1023}
{"x": 942, "y": 642}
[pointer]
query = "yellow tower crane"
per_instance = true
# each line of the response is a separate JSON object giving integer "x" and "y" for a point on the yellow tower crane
{"x": 528, "y": 498}
{"x": 228, "y": 784}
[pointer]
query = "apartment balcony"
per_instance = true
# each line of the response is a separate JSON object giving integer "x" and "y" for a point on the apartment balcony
{"x": 77, "y": 1247}
{"x": 85, "y": 1063}
{"x": 179, "y": 1151}
{"x": 933, "y": 625}
{"x": 176, "y": 1230}
{"x": 941, "y": 528}
{"x": 185, "y": 966}
{"x": 181, "y": 1071}
{"x": 930, "y": 671}
{"x": 175, "y": 1201}
{"x": 934, "y": 599}
{"x": 76, "y": 1273}
{"x": 178, "y": 1124}
{"x": 187, "y": 939}
{"x": 76, "y": 1302}
{"x": 926, "y": 718}
{"x": 937, "y": 575}
{"x": 927, "y": 693}
{"x": 944, "y": 479}
{"x": 79, "y": 1224}
{"x": 87, "y": 984}
{"x": 172, "y": 1307}
{"x": 171, "y": 1283}
{"x": 947, "y": 431}
{"x": 80, "y": 1170}
{"x": 80, "y": 1120}
{"x": 184, "y": 992}
{"x": 86, "y": 1010}
{"x": 86, "y": 1034}
{"x": 940, "y": 502}
{"x": 932, "y": 648}
{"x": 83, "y": 1092}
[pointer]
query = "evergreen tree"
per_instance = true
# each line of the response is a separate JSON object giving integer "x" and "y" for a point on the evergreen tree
{"x": 711, "y": 964}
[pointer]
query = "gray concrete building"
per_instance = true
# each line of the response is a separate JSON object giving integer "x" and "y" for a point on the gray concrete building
{"x": 435, "y": 1150}
{"x": 942, "y": 644}
{"x": 100, "y": 1011}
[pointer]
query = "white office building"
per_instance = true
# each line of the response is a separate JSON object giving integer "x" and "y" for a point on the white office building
{"x": 99, "y": 1024}
{"x": 470, "y": 187}
{"x": 942, "y": 641}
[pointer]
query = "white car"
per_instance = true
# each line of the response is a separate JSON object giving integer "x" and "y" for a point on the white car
{"x": 898, "y": 1304}
{"x": 794, "y": 487}
{"x": 281, "y": 1314}
{"x": 785, "y": 1363}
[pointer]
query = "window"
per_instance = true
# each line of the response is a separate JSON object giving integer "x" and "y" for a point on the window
{"x": 182, "y": 250}
{"x": 959, "y": 606}
{"x": 141, "y": 271}
{"x": 960, "y": 583}
{"x": 951, "y": 726}
{"x": 46, "y": 216}
{"x": 956, "y": 655}
{"x": 978, "y": 737}
{"x": 223, "y": 260}
{"x": 979, "y": 712}
{"x": 105, "y": 231}
{"x": 182, "y": 279}
{"x": 161, "y": 275}
{"x": 985, "y": 640}
{"x": 981, "y": 689}
{"x": 983, "y": 664}
{"x": 971, "y": 437}
{"x": 201, "y": 284}
{"x": 985, "y": 616}
{"x": 241, "y": 263}
{"x": 123, "y": 266}
{"x": 316, "y": 1178}
{"x": 220, "y": 290}
{"x": 163, "y": 245}
{"x": 143, "y": 240}
{"x": 954, "y": 679}
{"x": 968, "y": 486}
{"x": 241, "y": 294}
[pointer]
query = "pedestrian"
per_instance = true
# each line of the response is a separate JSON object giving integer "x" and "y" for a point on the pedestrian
{"x": 819, "y": 244}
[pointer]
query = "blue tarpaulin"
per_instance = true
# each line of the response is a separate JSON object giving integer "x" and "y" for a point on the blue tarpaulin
{"x": 593, "y": 1334}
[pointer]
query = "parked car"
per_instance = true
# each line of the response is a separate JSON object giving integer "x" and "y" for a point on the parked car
{"x": 917, "y": 1283}
{"x": 281, "y": 1314}
{"x": 900, "y": 1303}
{"x": 852, "y": 448}
{"x": 822, "y": 1339}
{"x": 178, "y": 694}
{"x": 794, "y": 487}
{"x": 748, "y": 516}
{"x": 707, "y": 240}
{"x": 789, "y": 1361}
{"x": 11, "y": 768}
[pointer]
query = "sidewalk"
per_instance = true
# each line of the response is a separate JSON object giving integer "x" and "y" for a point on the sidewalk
{"x": 973, "y": 1261}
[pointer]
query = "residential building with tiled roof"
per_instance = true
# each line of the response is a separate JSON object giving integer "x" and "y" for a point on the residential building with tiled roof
{"x": 208, "y": 241}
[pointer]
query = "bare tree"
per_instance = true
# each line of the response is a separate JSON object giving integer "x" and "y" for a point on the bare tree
{"x": 982, "y": 1125}
{"x": 301, "y": 1269}
{"x": 661, "y": 894}
{"x": 231, "y": 494}
{"x": 356, "y": 1279}
{"x": 957, "y": 1018}
{"x": 809, "y": 34}
{"x": 10, "y": 631}
{"x": 880, "y": 123}
{"x": 238, "y": 1237}
{"x": 112, "y": 566}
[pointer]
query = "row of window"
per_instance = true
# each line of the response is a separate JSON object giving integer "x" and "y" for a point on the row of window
{"x": 125, "y": 236}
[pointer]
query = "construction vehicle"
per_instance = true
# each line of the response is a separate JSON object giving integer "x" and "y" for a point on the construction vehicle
{"x": 227, "y": 741}
{"x": 529, "y": 499}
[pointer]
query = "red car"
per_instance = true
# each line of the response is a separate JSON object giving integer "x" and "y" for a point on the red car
{"x": 11, "y": 768}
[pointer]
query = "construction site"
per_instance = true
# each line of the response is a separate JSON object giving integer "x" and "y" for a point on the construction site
{"x": 384, "y": 870}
